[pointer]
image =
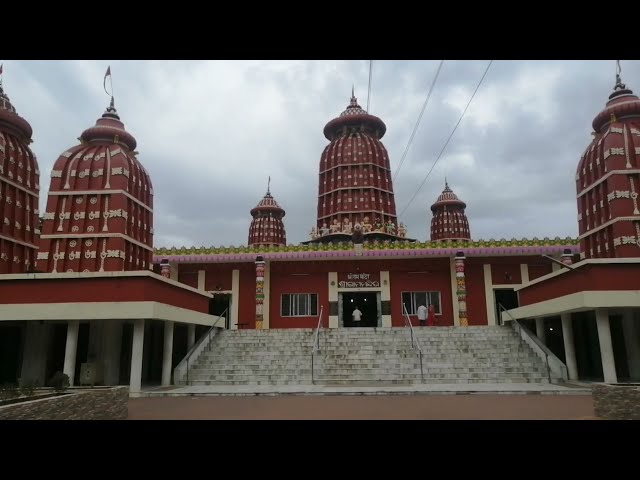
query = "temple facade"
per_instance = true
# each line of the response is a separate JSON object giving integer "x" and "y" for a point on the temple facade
{"x": 102, "y": 294}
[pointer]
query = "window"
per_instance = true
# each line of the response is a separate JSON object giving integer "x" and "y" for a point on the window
{"x": 299, "y": 305}
{"x": 413, "y": 300}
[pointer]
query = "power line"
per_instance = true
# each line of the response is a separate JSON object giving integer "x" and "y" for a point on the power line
{"x": 415, "y": 128}
{"x": 448, "y": 139}
{"x": 369, "y": 91}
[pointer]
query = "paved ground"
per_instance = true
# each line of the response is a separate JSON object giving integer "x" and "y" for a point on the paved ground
{"x": 362, "y": 389}
{"x": 351, "y": 407}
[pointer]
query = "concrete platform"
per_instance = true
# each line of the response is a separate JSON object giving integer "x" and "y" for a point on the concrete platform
{"x": 433, "y": 389}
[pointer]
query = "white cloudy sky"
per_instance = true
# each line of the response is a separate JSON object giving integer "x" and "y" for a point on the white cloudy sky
{"x": 211, "y": 132}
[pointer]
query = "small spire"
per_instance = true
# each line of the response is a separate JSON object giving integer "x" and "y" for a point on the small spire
{"x": 353, "y": 88}
{"x": 269, "y": 186}
{"x": 1, "y": 68}
{"x": 446, "y": 184}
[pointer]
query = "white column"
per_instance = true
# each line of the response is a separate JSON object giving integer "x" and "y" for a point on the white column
{"x": 606, "y": 347}
{"x": 489, "y": 296}
{"x": 112, "y": 334}
{"x": 167, "y": 353}
{"x": 266, "y": 304}
{"x": 540, "y": 333}
{"x": 385, "y": 295}
{"x": 71, "y": 347}
{"x": 137, "y": 347}
{"x": 34, "y": 361}
{"x": 569, "y": 346}
{"x": 334, "y": 321}
{"x": 173, "y": 271}
{"x": 524, "y": 273}
{"x": 191, "y": 335}
{"x": 201, "y": 279}
{"x": 632, "y": 344}
{"x": 235, "y": 299}
{"x": 454, "y": 294}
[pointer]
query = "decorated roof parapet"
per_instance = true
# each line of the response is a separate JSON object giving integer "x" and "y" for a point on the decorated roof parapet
{"x": 376, "y": 248}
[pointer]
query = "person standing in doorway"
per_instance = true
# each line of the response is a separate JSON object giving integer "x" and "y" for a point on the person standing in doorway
{"x": 357, "y": 314}
{"x": 431, "y": 321}
{"x": 422, "y": 315}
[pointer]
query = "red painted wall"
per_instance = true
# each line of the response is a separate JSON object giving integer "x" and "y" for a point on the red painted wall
{"x": 287, "y": 283}
{"x": 188, "y": 278}
{"x": 505, "y": 273}
{"x": 217, "y": 276}
{"x": 586, "y": 278}
{"x": 438, "y": 279}
{"x": 476, "y": 302}
{"x": 537, "y": 271}
{"x": 247, "y": 306}
{"x": 131, "y": 289}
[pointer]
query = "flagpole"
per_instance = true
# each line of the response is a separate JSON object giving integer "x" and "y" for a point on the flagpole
{"x": 111, "y": 81}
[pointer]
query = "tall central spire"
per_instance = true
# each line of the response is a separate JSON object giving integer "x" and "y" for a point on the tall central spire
{"x": 355, "y": 184}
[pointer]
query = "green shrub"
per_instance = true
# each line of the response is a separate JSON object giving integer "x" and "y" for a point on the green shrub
{"x": 59, "y": 381}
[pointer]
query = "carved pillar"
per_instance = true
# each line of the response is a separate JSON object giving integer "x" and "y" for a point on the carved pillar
{"x": 461, "y": 289}
{"x": 165, "y": 268}
{"x": 260, "y": 265}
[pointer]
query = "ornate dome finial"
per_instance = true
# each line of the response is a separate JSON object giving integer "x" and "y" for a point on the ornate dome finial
{"x": 269, "y": 186}
{"x": 619, "y": 85}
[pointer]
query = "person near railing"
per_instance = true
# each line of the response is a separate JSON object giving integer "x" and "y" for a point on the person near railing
{"x": 422, "y": 315}
{"x": 431, "y": 320}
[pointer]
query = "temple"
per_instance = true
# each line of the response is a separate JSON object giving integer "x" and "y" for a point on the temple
{"x": 104, "y": 295}
{"x": 99, "y": 213}
{"x": 19, "y": 192}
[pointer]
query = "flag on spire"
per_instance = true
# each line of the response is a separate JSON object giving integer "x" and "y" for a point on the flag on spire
{"x": 104, "y": 83}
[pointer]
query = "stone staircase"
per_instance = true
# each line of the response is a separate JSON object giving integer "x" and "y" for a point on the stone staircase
{"x": 368, "y": 356}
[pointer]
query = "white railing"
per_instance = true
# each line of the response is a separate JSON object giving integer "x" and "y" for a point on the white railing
{"x": 316, "y": 341}
{"x": 552, "y": 362}
{"x": 415, "y": 345}
{"x": 181, "y": 372}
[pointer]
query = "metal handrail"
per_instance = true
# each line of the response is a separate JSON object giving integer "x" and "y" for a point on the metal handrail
{"x": 197, "y": 344}
{"x": 414, "y": 339}
{"x": 316, "y": 340}
{"x": 533, "y": 337}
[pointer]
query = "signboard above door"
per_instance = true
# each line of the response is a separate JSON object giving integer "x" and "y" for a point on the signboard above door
{"x": 358, "y": 280}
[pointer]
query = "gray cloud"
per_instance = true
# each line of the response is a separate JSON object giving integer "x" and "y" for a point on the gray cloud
{"x": 211, "y": 132}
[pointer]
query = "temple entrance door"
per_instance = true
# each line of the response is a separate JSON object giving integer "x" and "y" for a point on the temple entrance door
{"x": 219, "y": 304}
{"x": 367, "y": 303}
{"x": 508, "y": 298}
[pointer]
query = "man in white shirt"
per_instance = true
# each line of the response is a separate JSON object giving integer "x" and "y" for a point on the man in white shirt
{"x": 422, "y": 315}
{"x": 357, "y": 315}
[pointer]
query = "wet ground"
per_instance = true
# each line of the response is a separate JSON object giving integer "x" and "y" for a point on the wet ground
{"x": 358, "y": 407}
